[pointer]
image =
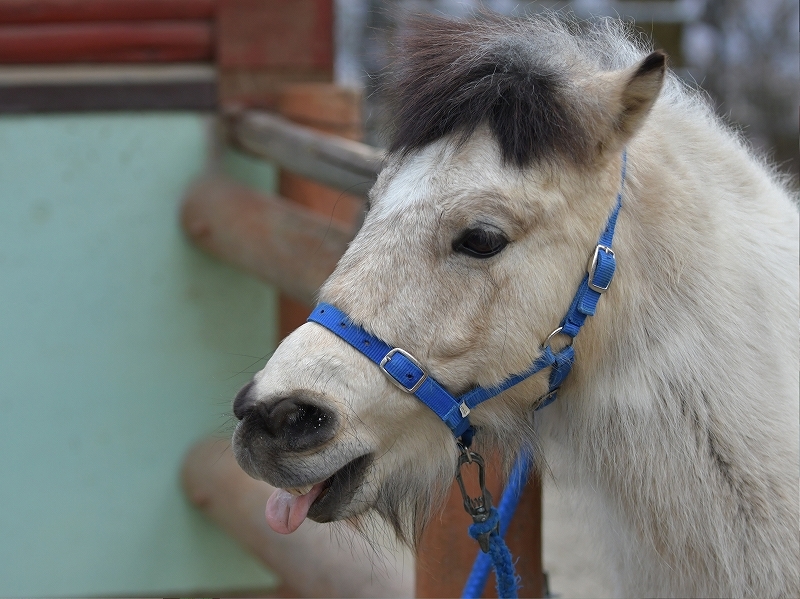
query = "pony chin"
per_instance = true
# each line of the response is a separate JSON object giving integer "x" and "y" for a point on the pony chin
{"x": 412, "y": 490}
{"x": 410, "y": 479}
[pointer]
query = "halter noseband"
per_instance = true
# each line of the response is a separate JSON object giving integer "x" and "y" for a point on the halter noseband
{"x": 406, "y": 372}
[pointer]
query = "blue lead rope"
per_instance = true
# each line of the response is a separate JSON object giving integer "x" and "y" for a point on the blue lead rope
{"x": 498, "y": 555}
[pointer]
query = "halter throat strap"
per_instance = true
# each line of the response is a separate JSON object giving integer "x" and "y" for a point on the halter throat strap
{"x": 408, "y": 374}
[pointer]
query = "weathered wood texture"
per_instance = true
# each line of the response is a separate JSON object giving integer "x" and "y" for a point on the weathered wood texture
{"x": 340, "y": 163}
{"x": 447, "y": 553}
{"x": 263, "y": 45}
{"x": 270, "y": 237}
{"x": 332, "y": 109}
{"x": 123, "y": 41}
{"x": 55, "y": 11}
{"x": 325, "y": 107}
{"x": 278, "y": 34}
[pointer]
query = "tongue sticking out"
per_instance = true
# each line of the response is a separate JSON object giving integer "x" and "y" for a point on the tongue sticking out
{"x": 285, "y": 512}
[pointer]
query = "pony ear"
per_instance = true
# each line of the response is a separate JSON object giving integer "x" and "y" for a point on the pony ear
{"x": 635, "y": 92}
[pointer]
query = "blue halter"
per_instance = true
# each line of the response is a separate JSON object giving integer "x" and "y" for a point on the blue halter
{"x": 406, "y": 372}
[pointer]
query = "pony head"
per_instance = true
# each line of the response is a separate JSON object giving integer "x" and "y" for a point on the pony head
{"x": 504, "y": 166}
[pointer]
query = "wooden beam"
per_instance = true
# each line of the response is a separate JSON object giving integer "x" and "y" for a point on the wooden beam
{"x": 58, "y": 11}
{"x": 275, "y": 34}
{"x": 274, "y": 239}
{"x": 328, "y": 159}
{"x": 146, "y": 41}
{"x": 67, "y": 88}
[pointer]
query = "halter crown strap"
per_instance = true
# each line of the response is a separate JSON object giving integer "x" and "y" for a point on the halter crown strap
{"x": 405, "y": 371}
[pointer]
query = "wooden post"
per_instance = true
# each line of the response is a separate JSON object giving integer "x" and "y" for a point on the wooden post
{"x": 271, "y": 237}
{"x": 264, "y": 48}
{"x": 263, "y": 45}
{"x": 447, "y": 552}
{"x": 331, "y": 109}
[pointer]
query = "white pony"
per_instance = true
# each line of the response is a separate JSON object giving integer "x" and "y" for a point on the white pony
{"x": 678, "y": 424}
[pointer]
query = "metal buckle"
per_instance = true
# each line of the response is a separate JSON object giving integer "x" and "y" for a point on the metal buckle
{"x": 593, "y": 266}
{"x": 411, "y": 359}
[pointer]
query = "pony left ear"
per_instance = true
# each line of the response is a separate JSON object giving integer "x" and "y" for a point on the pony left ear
{"x": 636, "y": 91}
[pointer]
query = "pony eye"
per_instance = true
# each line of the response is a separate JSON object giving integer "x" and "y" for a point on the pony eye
{"x": 480, "y": 243}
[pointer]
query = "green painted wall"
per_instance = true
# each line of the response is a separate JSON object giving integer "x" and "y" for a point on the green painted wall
{"x": 120, "y": 344}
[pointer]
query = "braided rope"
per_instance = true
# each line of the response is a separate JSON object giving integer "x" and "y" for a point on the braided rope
{"x": 508, "y": 504}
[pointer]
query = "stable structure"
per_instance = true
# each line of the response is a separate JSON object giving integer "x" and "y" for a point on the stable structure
{"x": 266, "y": 70}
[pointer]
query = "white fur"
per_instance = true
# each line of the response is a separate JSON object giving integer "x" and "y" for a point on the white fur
{"x": 679, "y": 423}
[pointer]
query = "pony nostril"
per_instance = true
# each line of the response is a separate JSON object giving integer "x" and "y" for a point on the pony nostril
{"x": 298, "y": 423}
{"x": 244, "y": 401}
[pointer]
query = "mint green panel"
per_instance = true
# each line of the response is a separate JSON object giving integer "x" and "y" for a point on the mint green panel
{"x": 120, "y": 345}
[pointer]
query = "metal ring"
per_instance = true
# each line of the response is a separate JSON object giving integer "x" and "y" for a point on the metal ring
{"x": 558, "y": 331}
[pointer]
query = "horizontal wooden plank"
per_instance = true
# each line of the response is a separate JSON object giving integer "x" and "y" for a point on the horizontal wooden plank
{"x": 49, "y": 11}
{"x": 328, "y": 159}
{"x": 105, "y": 73}
{"x": 196, "y": 95}
{"x": 149, "y": 41}
{"x": 271, "y": 237}
{"x": 275, "y": 34}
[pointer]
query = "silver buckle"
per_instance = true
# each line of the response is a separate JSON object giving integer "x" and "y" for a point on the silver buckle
{"x": 593, "y": 266}
{"x": 411, "y": 359}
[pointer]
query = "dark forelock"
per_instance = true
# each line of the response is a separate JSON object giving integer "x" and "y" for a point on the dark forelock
{"x": 452, "y": 76}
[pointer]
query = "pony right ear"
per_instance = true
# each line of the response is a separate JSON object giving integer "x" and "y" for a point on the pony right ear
{"x": 633, "y": 93}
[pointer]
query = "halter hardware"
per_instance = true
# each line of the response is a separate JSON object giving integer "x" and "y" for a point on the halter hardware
{"x": 610, "y": 263}
{"x": 558, "y": 331}
{"x": 479, "y": 508}
{"x": 416, "y": 381}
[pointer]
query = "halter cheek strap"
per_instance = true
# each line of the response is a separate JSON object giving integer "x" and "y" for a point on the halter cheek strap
{"x": 406, "y": 372}
{"x": 401, "y": 367}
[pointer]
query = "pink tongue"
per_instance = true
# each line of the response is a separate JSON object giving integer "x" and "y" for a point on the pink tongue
{"x": 285, "y": 512}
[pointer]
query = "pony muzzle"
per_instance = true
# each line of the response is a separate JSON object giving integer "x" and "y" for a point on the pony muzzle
{"x": 297, "y": 422}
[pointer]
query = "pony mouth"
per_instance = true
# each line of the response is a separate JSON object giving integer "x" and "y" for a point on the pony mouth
{"x": 325, "y": 501}
{"x": 338, "y": 489}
